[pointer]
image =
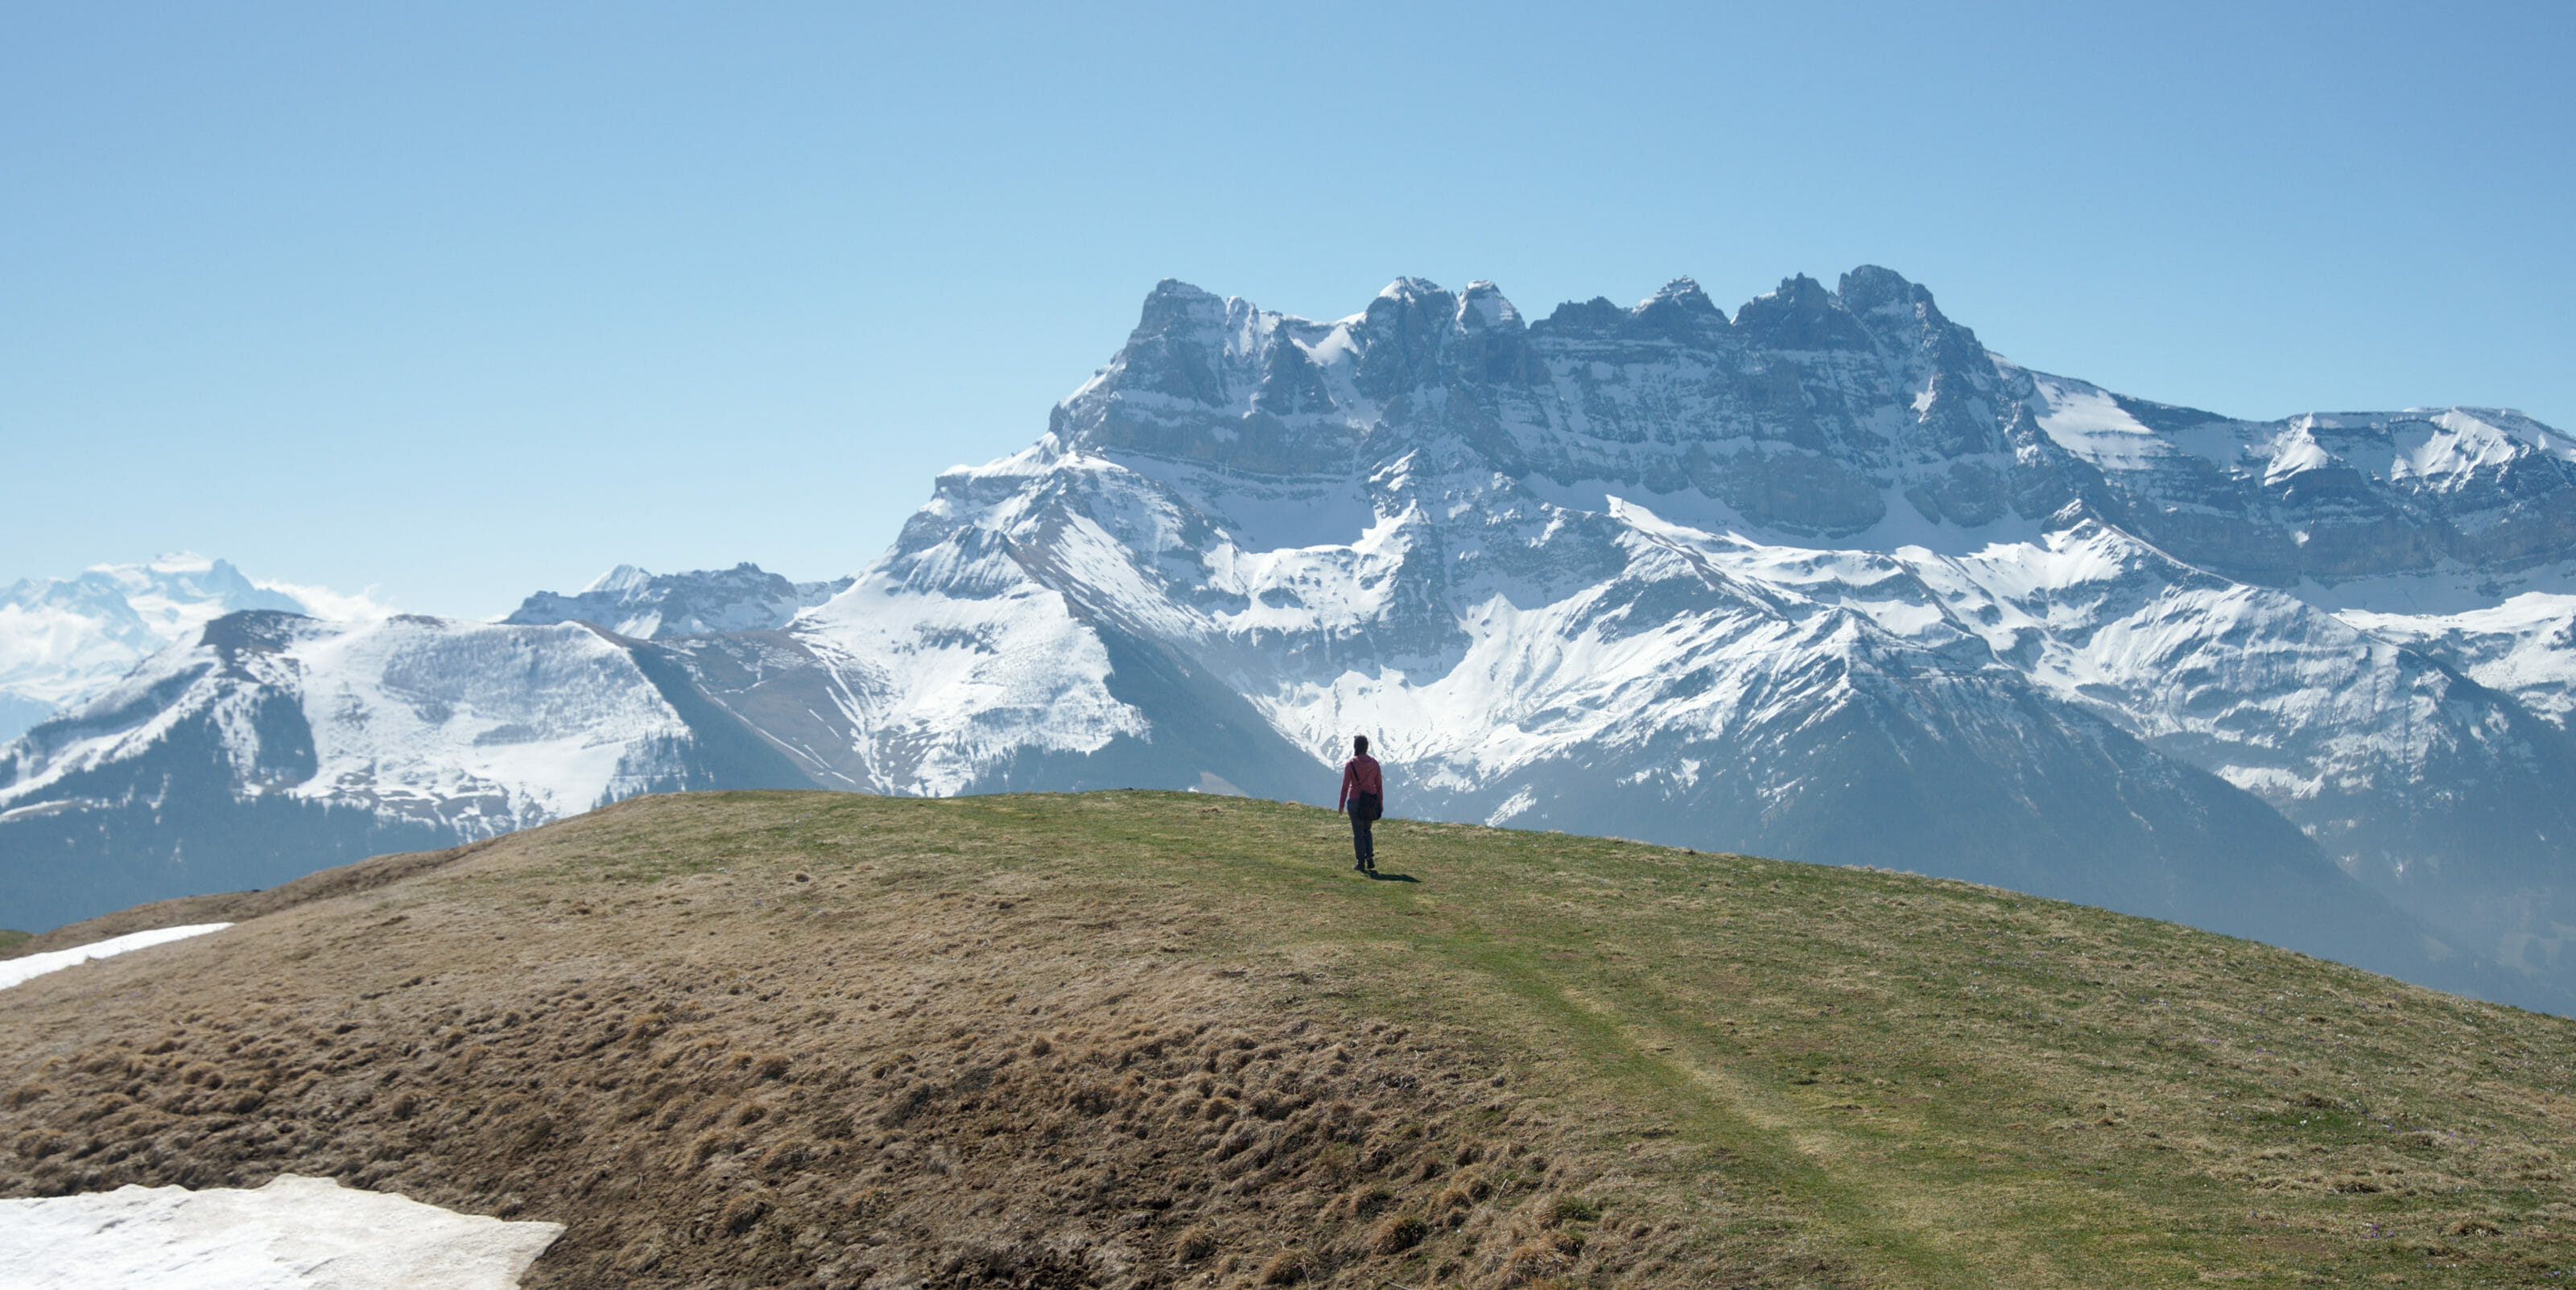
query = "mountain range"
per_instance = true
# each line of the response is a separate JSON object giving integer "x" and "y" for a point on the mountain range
{"x": 64, "y": 641}
{"x": 1824, "y": 579}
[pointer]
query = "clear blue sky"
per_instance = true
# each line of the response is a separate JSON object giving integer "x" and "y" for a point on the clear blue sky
{"x": 463, "y": 301}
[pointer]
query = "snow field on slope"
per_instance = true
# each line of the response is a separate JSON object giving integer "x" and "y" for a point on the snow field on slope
{"x": 111, "y": 742}
{"x": 2439, "y": 449}
{"x": 1587, "y": 669}
{"x": 2256, "y": 685}
{"x": 490, "y": 727}
{"x": 945, "y": 686}
{"x": 547, "y": 718}
{"x": 1540, "y": 682}
{"x": 26, "y": 968}
{"x": 2525, "y": 647}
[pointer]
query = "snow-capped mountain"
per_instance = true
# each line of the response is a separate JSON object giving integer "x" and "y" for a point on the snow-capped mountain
{"x": 650, "y": 606}
{"x": 64, "y": 640}
{"x": 1825, "y": 579}
{"x": 268, "y": 744}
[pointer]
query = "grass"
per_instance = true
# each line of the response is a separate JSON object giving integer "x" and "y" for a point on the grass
{"x": 1710, "y": 1068}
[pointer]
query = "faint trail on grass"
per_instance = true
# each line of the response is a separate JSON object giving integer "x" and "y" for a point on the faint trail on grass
{"x": 1919, "y": 1230}
{"x": 1763, "y": 1128}
{"x": 1911, "y": 1241}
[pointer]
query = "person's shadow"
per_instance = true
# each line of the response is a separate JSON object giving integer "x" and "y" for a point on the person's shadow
{"x": 1375, "y": 876}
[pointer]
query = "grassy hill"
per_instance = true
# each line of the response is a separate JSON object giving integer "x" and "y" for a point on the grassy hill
{"x": 773, "y": 1039}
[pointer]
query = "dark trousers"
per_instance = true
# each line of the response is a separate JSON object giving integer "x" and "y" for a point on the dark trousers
{"x": 1363, "y": 809}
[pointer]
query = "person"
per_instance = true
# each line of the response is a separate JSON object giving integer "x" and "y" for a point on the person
{"x": 1364, "y": 799}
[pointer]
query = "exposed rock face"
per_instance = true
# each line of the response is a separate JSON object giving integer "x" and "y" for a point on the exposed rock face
{"x": 1826, "y": 580}
{"x": 1803, "y": 414}
{"x": 1819, "y": 413}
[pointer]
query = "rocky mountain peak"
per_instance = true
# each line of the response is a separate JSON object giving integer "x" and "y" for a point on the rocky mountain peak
{"x": 1678, "y": 311}
{"x": 1682, "y": 293}
{"x": 1401, "y": 336}
{"x": 1173, "y": 303}
{"x": 1411, "y": 290}
{"x": 625, "y": 579}
{"x": 1482, "y": 308}
{"x": 1414, "y": 305}
{"x": 1870, "y": 289}
{"x": 1800, "y": 315}
{"x": 1177, "y": 347}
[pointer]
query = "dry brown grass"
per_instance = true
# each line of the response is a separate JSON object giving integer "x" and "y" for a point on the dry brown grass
{"x": 776, "y": 1070}
{"x": 767, "y": 1040}
{"x": 1398, "y": 1234}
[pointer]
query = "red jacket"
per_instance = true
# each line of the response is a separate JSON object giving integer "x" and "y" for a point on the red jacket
{"x": 1359, "y": 775}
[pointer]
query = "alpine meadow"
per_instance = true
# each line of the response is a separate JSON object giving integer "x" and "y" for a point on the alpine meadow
{"x": 1132, "y": 1039}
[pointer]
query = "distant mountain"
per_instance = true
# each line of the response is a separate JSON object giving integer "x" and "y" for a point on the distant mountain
{"x": 648, "y": 606}
{"x": 1825, "y": 579}
{"x": 64, "y": 640}
{"x": 270, "y": 743}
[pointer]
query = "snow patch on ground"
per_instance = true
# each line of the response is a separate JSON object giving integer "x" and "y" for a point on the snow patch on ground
{"x": 18, "y": 970}
{"x": 294, "y": 1232}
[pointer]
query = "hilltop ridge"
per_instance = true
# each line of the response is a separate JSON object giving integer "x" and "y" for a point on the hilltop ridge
{"x": 1163, "y": 1039}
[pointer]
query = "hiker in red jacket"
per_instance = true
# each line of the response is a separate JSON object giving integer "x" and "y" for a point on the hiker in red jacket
{"x": 1364, "y": 797}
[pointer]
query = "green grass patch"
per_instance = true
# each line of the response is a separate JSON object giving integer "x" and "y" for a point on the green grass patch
{"x": 1940, "y": 1084}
